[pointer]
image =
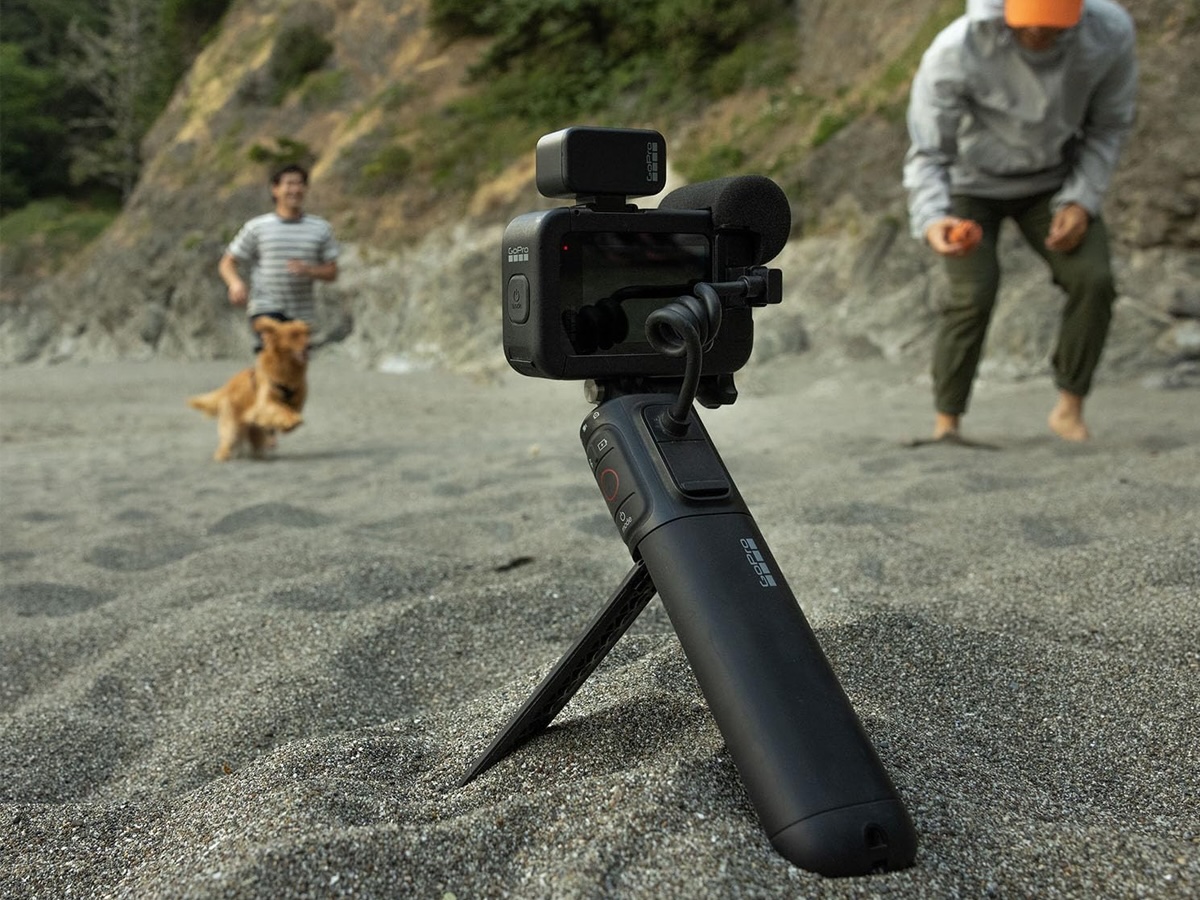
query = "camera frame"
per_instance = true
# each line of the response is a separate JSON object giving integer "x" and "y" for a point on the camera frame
{"x": 601, "y": 168}
{"x": 537, "y": 343}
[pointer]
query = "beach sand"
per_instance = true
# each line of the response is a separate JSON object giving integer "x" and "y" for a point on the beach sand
{"x": 264, "y": 679}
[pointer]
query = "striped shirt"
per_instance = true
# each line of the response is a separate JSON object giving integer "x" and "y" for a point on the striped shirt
{"x": 267, "y": 242}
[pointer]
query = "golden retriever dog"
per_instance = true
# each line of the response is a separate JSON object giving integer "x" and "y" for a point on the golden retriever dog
{"x": 266, "y": 398}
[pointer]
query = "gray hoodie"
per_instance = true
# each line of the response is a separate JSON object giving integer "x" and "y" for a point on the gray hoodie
{"x": 989, "y": 118}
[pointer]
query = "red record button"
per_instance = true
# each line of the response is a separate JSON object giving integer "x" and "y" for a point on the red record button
{"x": 610, "y": 484}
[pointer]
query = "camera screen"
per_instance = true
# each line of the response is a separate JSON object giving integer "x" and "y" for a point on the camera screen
{"x": 611, "y": 281}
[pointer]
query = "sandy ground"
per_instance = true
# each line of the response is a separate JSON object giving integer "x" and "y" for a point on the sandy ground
{"x": 264, "y": 679}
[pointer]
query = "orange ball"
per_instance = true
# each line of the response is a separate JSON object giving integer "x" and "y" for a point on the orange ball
{"x": 966, "y": 234}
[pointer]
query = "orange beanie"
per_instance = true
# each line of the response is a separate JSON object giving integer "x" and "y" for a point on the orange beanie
{"x": 1042, "y": 13}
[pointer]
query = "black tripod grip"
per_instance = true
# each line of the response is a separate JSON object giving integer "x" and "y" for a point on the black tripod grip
{"x": 821, "y": 792}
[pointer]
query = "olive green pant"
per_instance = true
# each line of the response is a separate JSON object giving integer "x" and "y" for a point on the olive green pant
{"x": 1085, "y": 274}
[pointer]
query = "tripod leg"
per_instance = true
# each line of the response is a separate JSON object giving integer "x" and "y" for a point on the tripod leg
{"x": 560, "y": 685}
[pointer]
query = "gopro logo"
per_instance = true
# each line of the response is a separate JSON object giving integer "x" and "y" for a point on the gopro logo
{"x": 518, "y": 254}
{"x": 758, "y": 563}
{"x": 652, "y": 161}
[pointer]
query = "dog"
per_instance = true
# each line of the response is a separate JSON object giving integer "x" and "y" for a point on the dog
{"x": 264, "y": 399}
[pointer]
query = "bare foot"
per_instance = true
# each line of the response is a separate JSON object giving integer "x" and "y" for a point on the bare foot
{"x": 1066, "y": 419}
{"x": 944, "y": 424}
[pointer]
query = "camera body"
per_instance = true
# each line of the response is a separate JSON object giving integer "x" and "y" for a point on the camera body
{"x": 579, "y": 284}
{"x": 580, "y": 281}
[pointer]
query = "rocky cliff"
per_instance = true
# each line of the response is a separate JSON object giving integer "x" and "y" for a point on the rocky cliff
{"x": 420, "y": 265}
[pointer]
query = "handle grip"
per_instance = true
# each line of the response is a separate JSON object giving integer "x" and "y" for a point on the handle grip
{"x": 821, "y": 793}
{"x": 820, "y": 790}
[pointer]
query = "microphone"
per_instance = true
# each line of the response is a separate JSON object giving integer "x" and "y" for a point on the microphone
{"x": 751, "y": 203}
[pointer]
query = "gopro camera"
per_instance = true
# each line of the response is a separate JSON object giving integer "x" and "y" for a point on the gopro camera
{"x": 580, "y": 281}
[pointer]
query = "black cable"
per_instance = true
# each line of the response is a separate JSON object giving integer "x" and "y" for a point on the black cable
{"x": 688, "y": 326}
{"x": 685, "y": 327}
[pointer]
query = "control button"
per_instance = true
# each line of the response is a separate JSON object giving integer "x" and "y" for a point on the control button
{"x": 610, "y": 483}
{"x": 589, "y": 425}
{"x": 630, "y": 513}
{"x": 517, "y": 299}
{"x": 615, "y": 479}
{"x": 602, "y": 440}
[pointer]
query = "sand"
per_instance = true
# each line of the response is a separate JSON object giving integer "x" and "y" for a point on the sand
{"x": 264, "y": 679}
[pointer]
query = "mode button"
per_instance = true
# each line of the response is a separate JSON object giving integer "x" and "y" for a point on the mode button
{"x": 517, "y": 299}
{"x": 629, "y": 513}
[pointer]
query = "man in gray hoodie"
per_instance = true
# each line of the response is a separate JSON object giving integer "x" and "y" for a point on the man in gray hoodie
{"x": 1019, "y": 110}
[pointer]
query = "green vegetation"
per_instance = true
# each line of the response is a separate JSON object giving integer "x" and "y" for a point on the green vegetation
{"x": 765, "y": 61}
{"x": 387, "y": 169}
{"x": 376, "y": 162}
{"x": 184, "y": 28}
{"x": 82, "y": 82}
{"x": 396, "y": 95}
{"x": 884, "y": 95}
{"x": 716, "y": 161}
{"x": 902, "y": 68}
{"x": 822, "y": 118}
{"x": 285, "y": 152}
{"x": 556, "y": 61}
{"x": 323, "y": 90}
{"x": 299, "y": 50}
{"x": 830, "y": 124}
{"x": 30, "y": 132}
{"x": 41, "y": 236}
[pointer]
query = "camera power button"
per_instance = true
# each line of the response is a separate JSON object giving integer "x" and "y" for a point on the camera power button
{"x": 517, "y": 299}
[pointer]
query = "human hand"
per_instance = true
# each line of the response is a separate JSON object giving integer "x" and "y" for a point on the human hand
{"x": 1067, "y": 228}
{"x": 952, "y": 236}
{"x": 299, "y": 267}
{"x": 237, "y": 292}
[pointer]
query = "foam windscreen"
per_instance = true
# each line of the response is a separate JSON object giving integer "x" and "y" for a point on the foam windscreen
{"x": 752, "y": 203}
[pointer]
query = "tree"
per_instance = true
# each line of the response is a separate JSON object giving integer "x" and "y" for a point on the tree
{"x": 30, "y": 132}
{"x": 123, "y": 61}
{"x": 112, "y": 64}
